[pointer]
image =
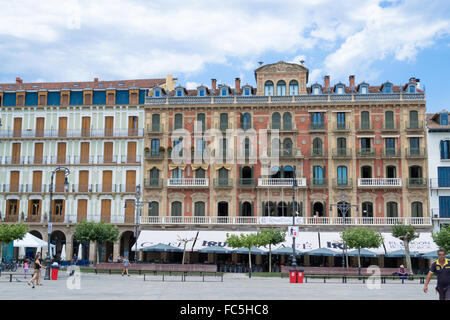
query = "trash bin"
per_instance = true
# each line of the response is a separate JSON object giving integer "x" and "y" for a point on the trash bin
{"x": 55, "y": 273}
{"x": 293, "y": 276}
{"x": 299, "y": 275}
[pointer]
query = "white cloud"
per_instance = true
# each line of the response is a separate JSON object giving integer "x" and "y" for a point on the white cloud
{"x": 80, "y": 39}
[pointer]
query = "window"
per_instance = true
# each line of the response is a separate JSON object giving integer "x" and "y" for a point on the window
{"x": 202, "y": 118}
{"x": 416, "y": 210}
{"x": 153, "y": 209}
{"x": 387, "y": 88}
{"x": 364, "y": 90}
{"x": 268, "y": 88}
{"x": 412, "y": 89}
{"x": 318, "y": 175}
{"x": 223, "y": 121}
{"x": 366, "y": 172}
{"x": 317, "y": 147}
{"x": 367, "y": 209}
{"x": 392, "y": 209}
{"x": 293, "y": 88}
{"x": 340, "y": 89}
{"x": 445, "y": 150}
{"x": 340, "y": 120}
{"x": 201, "y": 92}
{"x": 316, "y": 89}
{"x": 223, "y": 177}
{"x": 288, "y": 172}
{"x": 287, "y": 121}
{"x": 443, "y": 119}
{"x": 246, "y": 121}
{"x": 12, "y": 207}
{"x": 365, "y": 120}
{"x": 199, "y": 209}
{"x": 155, "y": 147}
{"x": 391, "y": 172}
{"x": 444, "y": 207}
{"x": 317, "y": 120}
{"x": 200, "y": 173}
{"x": 390, "y": 146}
{"x": 443, "y": 176}
{"x": 287, "y": 147}
{"x": 224, "y": 92}
{"x": 342, "y": 175}
{"x": 247, "y": 148}
{"x": 281, "y": 88}
{"x": 179, "y": 93}
{"x": 389, "y": 120}
{"x": 246, "y": 91}
{"x": 178, "y": 121}
{"x": 58, "y": 207}
{"x": 275, "y": 147}
{"x": 154, "y": 177}
{"x": 341, "y": 146}
{"x": 413, "y": 119}
{"x": 157, "y": 93}
{"x": 276, "y": 121}
{"x": 414, "y": 146}
{"x": 365, "y": 145}
{"x": 35, "y": 207}
{"x": 155, "y": 122}
{"x": 177, "y": 173}
{"x": 178, "y": 150}
{"x": 176, "y": 209}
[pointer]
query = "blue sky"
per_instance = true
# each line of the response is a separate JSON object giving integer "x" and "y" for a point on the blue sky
{"x": 77, "y": 40}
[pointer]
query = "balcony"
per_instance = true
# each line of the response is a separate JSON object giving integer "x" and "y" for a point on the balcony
{"x": 72, "y": 133}
{"x": 318, "y": 153}
{"x": 364, "y": 127}
{"x": 284, "y": 221}
{"x": 154, "y": 155}
{"x": 153, "y": 183}
{"x": 187, "y": 182}
{"x": 414, "y": 125}
{"x": 285, "y": 153}
{"x": 389, "y": 153}
{"x": 156, "y": 130}
{"x": 344, "y": 183}
{"x": 341, "y": 127}
{"x": 107, "y": 159}
{"x": 281, "y": 182}
{"x": 246, "y": 182}
{"x": 317, "y": 126}
{"x": 366, "y": 153}
{"x": 61, "y": 188}
{"x": 318, "y": 183}
{"x": 283, "y": 128}
{"x": 342, "y": 153}
{"x": 436, "y": 183}
{"x": 15, "y": 160}
{"x": 414, "y": 153}
{"x": 82, "y": 160}
{"x": 131, "y": 159}
{"x": 390, "y": 126}
{"x": 417, "y": 183}
{"x": 223, "y": 183}
{"x": 380, "y": 182}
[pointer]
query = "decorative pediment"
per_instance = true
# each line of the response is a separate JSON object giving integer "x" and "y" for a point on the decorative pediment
{"x": 281, "y": 67}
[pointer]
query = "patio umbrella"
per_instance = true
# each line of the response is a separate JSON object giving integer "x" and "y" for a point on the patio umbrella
{"x": 401, "y": 254}
{"x": 253, "y": 251}
{"x": 80, "y": 252}
{"x": 63, "y": 253}
{"x": 286, "y": 251}
{"x": 432, "y": 255}
{"x": 364, "y": 253}
{"x": 39, "y": 249}
{"x": 323, "y": 252}
{"x": 161, "y": 247}
{"x": 21, "y": 252}
{"x": 214, "y": 249}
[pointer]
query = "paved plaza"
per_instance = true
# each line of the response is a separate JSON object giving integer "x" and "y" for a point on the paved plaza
{"x": 234, "y": 286}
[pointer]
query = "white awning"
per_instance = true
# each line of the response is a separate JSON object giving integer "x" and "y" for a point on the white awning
{"x": 30, "y": 241}
{"x": 306, "y": 241}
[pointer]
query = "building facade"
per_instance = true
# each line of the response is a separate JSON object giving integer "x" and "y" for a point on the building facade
{"x": 439, "y": 167}
{"x": 95, "y": 130}
{"x": 345, "y": 143}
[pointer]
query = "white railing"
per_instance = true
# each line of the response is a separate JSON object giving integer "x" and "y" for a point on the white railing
{"x": 280, "y": 182}
{"x": 379, "y": 182}
{"x": 286, "y": 221}
{"x": 187, "y": 182}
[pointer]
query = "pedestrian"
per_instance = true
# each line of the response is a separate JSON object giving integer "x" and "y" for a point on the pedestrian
{"x": 25, "y": 267}
{"x": 125, "y": 265}
{"x": 402, "y": 272}
{"x": 37, "y": 271}
{"x": 440, "y": 267}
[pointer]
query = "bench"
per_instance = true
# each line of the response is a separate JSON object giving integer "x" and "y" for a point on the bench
{"x": 157, "y": 267}
{"x": 11, "y": 274}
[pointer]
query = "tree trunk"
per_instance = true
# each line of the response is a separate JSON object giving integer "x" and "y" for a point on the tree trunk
{"x": 184, "y": 252}
{"x": 249, "y": 263}
{"x": 1, "y": 251}
{"x": 408, "y": 257}
{"x": 359, "y": 261}
{"x": 270, "y": 258}
{"x": 96, "y": 252}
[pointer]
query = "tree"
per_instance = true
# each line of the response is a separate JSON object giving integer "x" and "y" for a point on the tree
{"x": 11, "y": 232}
{"x": 97, "y": 232}
{"x": 357, "y": 238}
{"x": 406, "y": 233}
{"x": 271, "y": 237}
{"x": 245, "y": 241}
{"x": 442, "y": 239}
{"x": 185, "y": 241}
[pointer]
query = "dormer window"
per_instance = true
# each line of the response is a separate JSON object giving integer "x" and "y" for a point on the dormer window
{"x": 339, "y": 89}
{"x": 201, "y": 92}
{"x": 364, "y": 89}
{"x": 157, "y": 94}
{"x": 246, "y": 91}
{"x": 412, "y": 89}
{"x": 316, "y": 89}
{"x": 444, "y": 119}
{"x": 223, "y": 92}
{"x": 387, "y": 88}
{"x": 179, "y": 93}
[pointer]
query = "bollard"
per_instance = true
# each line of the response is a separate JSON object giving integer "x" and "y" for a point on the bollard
{"x": 324, "y": 281}
{"x": 364, "y": 280}
{"x": 403, "y": 280}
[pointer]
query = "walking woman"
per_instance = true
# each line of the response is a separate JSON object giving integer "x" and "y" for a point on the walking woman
{"x": 37, "y": 271}
{"x": 125, "y": 265}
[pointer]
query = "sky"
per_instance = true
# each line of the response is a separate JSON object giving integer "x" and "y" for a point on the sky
{"x": 375, "y": 40}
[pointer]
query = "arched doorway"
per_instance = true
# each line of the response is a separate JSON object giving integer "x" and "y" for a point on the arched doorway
{"x": 222, "y": 211}
{"x": 127, "y": 241}
{"x": 58, "y": 238}
{"x": 318, "y": 209}
{"x": 343, "y": 211}
{"x": 76, "y": 250}
{"x": 246, "y": 209}
{"x": 36, "y": 234}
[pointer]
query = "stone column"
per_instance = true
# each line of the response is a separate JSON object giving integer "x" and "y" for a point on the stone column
{"x": 69, "y": 249}
{"x": 330, "y": 262}
{"x": 116, "y": 250}
{"x": 92, "y": 255}
{"x": 210, "y": 257}
{"x": 307, "y": 261}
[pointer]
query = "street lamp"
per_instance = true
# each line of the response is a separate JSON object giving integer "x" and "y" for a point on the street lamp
{"x": 49, "y": 231}
{"x": 343, "y": 206}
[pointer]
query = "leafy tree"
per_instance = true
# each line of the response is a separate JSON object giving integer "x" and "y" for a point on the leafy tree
{"x": 245, "y": 241}
{"x": 442, "y": 239}
{"x": 406, "y": 233}
{"x": 11, "y": 232}
{"x": 98, "y": 232}
{"x": 271, "y": 237}
{"x": 357, "y": 238}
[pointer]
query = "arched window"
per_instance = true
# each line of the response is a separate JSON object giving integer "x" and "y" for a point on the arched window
{"x": 153, "y": 209}
{"x": 199, "y": 209}
{"x": 268, "y": 88}
{"x": 200, "y": 173}
{"x": 318, "y": 175}
{"x": 281, "y": 88}
{"x": 177, "y": 173}
{"x": 293, "y": 88}
{"x": 317, "y": 147}
{"x": 247, "y": 148}
{"x": 276, "y": 120}
{"x": 270, "y": 209}
{"x": 343, "y": 212}
{"x": 391, "y": 172}
{"x": 389, "y": 120}
{"x": 275, "y": 152}
{"x": 287, "y": 147}
{"x": 154, "y": 177}
{"x": 246, "y": 121}
{"x": 176, "y": 209}
{"x": 288, "y": 172}
{"x": 223, "y": 177}
{"x": 367, "y": 210}
{"x": 282, "y": 209}
{"x": 366, "y": 172}
{"x": 287, "y": 121}
{"x": 341, "y": 146}
{"x": 392, "y": 209}
{"x": 275, "y": 172}
{"x": 342, "y": 175}
{"x": 318, "y": 209}
{"x": 415, "y": 175}
{"x": 416, "y": 210}
{"x": 246, "y": 209}
{"x": 201, "y": 118}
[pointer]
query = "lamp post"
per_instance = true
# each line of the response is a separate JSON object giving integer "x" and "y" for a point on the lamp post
{"x": 343, "y": 206}
{"x": 49, "y": 231}
{"x": 294, "y": 184}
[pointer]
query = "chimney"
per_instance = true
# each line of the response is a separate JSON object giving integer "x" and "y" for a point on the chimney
{"x": 237, "y": 85}
{"x": 18, "y": 80}
{"x": 213, "y": 84}
{"x": 351, "y": 81}
{"x": 327, "y": 83}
